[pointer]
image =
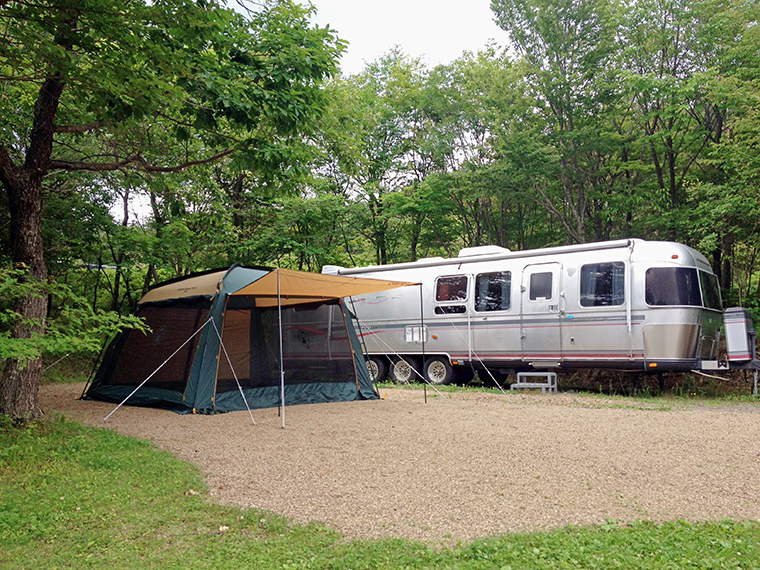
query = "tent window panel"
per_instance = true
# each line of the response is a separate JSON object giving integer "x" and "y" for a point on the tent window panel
{"x": 170, "y": 326}
{"x": 316, "y": 347}
{"x": 236, "y": 337}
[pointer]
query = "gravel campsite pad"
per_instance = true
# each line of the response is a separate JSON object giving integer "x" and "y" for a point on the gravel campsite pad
{"x": 465, "y": 466}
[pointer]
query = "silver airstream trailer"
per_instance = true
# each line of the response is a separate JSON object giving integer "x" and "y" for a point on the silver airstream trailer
{"x": 626, "y": 304}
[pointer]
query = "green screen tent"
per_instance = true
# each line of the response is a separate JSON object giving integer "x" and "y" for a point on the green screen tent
{"x": 259, "y": 314}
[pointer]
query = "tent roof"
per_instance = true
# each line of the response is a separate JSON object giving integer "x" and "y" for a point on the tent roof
{"x": 295, "y": 287}
{"x": 205, "y": 284}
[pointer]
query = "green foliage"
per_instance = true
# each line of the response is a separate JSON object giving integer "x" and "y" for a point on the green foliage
{"x": 75, "y": 328}
{"x": 84, "y": 497}
{"x": 603, "y": 120}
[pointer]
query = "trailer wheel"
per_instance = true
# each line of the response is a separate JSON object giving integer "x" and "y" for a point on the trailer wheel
{"x": 438, "y": 371}
{"x": 405, "y": 370}
{"x": 463, "y": 375}
{"x": 377, "y": 366}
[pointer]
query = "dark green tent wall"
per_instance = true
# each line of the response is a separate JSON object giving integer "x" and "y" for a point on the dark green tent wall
{"x": 190, "y": 370}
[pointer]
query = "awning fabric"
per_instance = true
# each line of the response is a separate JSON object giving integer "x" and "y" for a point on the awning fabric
{"x": 297, "y": 287}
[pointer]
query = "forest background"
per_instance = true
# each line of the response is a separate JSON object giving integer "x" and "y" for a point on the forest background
{"x": 602, "y": 119}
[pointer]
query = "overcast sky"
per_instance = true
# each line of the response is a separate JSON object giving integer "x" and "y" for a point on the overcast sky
{"x": 438, "y": 30}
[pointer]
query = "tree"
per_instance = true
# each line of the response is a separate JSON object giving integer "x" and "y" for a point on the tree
{"x": 568, "y": 49}
{"x": 99, "y": 86}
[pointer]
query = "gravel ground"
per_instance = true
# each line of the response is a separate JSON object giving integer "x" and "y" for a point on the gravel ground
{"x": 467, "y": 466}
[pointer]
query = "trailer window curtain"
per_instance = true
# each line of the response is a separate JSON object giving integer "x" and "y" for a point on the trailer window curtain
{"x": 493, "y": 291}
{"x": 603, "y": 284}
{"x": 451, "y": 289}
{"x": 672, "y": 286}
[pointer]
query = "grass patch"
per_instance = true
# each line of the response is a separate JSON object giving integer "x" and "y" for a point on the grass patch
{"x": 66, "y": 369}
{"x": 644, "y": 401}
{"x": 78, "y": 497}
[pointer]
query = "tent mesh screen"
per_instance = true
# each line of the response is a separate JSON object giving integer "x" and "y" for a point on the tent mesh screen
{"x": 143, "y": 353}
{"x": 316, "y": 347}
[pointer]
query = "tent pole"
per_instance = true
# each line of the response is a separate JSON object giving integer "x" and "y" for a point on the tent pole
{"x": 422, "y": 336}
{"x": 282, "y": 363}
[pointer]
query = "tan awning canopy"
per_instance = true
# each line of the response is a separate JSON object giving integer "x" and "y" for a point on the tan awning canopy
{"x": 298, "y": 287}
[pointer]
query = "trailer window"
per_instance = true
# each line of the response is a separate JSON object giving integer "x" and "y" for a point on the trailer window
{"x": 603, "y": 284}
{"x": 493, "y": 291}
{"x": 710, "y": 291}
{"x": 672, "y": 286}
{"x": 451, "y": 289}
{"x": 540, "y": 286}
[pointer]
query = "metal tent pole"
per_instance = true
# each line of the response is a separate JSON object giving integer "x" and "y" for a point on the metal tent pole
{"x": 422, "y": 337}
{"x": 282, "y": 364}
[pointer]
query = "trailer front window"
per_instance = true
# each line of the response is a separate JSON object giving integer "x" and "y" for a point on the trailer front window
{"x": 603, "y": 284}
{"x": 451, "y": 289}
{"x": 710, "y": 291}
{"x": 493, "y": 291}
{"x": 672, "y": 286}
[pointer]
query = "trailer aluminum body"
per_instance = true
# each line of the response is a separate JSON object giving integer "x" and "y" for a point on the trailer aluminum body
{"x": 625, "y": 304}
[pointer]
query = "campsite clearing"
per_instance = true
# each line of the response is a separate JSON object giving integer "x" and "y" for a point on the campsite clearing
{"x": 468, "y": 466}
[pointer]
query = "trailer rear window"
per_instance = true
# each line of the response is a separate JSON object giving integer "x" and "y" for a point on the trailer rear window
{"x": 451, "y": 289}
{"x": 672, "y": 286}
{"x": 603, "y": 284}
{"x": 493, "y": 291}
{"x": 710, "y": 290}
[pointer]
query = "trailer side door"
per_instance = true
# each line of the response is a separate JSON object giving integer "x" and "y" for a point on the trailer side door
{"x": 540, "y": 310}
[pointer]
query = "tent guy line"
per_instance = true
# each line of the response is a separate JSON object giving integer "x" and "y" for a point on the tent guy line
{"x": 234, "y": 374}
{"x": 157, "y": 369}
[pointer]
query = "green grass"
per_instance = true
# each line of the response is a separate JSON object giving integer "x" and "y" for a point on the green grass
{"x": 647, "y": 400}
{"x": 76, "y": 497}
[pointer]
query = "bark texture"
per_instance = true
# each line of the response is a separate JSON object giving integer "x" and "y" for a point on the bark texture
{"x": 23, "y": 184}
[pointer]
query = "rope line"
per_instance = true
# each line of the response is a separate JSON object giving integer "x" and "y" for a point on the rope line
{"x": 475, "y": 354}
{"x": 247, "y": 407}
{"x": 157, "y": 369}
{"x": 425, "y": 380}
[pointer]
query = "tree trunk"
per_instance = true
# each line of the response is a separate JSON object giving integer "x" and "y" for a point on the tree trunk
{"x": 20, "y": 383}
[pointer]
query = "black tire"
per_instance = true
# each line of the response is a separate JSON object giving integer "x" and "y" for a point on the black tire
{"x": 377, "y": 366}
{"x": 438, "y": 371}
{"x": 501, "y": 377}
{"x": 405, "y": 370}
{"x": 463, "y": 375}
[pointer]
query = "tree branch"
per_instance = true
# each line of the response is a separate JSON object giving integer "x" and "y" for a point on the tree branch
{"x": 137, "y": 159}
{"x": 79, "y": 128}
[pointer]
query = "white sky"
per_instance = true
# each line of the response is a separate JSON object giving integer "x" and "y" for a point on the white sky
{"x": 438, "y": 30}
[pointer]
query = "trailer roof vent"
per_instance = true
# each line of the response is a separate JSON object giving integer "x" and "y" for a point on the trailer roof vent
{"x": 482, "y": 250}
